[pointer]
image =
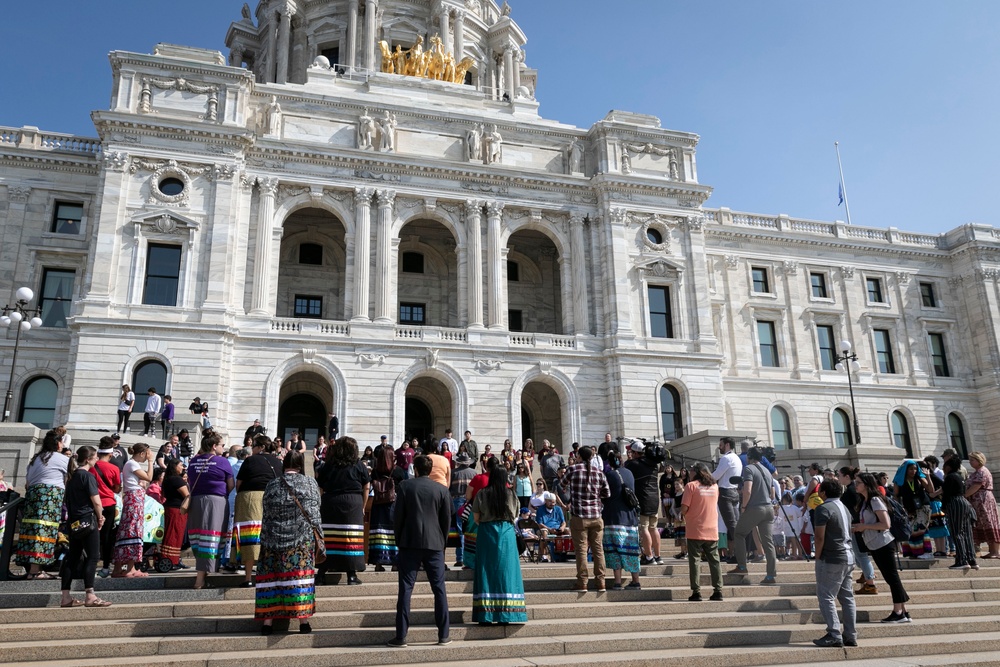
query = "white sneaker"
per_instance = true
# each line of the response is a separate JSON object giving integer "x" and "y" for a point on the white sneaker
{"x": 926, "y": 557}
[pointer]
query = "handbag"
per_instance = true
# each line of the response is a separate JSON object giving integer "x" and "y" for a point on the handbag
{"x": 186, "y": 503}
{"x": 628, "y": 495}
{"x": 318, "y": 536}
{"x": 83, "y": 526}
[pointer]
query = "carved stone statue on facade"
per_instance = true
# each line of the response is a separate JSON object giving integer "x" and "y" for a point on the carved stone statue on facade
{"x": 474, "y": 143}
{"x": 674, "y": 171}
{"x": 494, "y": 146}
{"x": 247, "y": 15}
{"x": 505, "y": 10}
{"x": 575, "y": 153}
{"x": 274, "y": 117}
{"x": 366, "y": 131}
{"x": 626, "y": 161}
{"x": 387, "y": 128}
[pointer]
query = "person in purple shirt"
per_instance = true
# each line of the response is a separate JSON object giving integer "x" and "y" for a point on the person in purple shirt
{"x": 210, "y": 477}
{"x": 404, "y": 457}
{"x": 167, "y": 417}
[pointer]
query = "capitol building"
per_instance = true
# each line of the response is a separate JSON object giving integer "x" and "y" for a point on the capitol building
{"x": 359, "y": 209}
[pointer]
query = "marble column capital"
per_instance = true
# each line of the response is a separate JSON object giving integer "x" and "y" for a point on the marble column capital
{"x": 386, "y": 198}
{"x": 363, "y": 196}
{"x": 494, "y": 208}
{"x": 268, "y": 185}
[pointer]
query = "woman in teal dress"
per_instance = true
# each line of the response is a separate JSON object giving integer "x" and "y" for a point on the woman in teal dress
{"x": 498, "y": 590}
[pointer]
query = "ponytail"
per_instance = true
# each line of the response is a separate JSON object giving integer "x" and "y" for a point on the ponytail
{"x": 137, "y": 448}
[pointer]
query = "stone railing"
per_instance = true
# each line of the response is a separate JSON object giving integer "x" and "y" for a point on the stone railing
{"x": 783, "y": 223}
{"x": 307, "y": 326}
{"x": 542, "y": 340}
{"x": 432, "y": 333}
{"x": 34, "y": 139}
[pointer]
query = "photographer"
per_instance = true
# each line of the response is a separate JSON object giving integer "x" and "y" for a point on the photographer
{"x": 645, "y": 472}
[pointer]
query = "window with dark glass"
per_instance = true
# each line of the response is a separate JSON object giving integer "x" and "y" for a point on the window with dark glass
{"x": 413, "y": 262}
{"x": 163, "y": 270}
{"x": 818, "y": 283}
{"x": 939, "y": 358}
{"x": 827, "y": 351}
{"x": 331, "y": 53}
{"x": 515, "y": 320}
{"x": 883, "y": 351}
{"x": 171, "y": 187}
{"x": 311, "y": 253}
{"x": 38, "y": 402}
{"x": 670, "y": 413}
{"x": 150, "y": 373}
{"x": 67, "y": 218}
{"x": 874, "y": 287}
{"x": 901, "y": 432}
{"x": 513, "y": 272}
{"x": 308, "y": 306}
{"x": 654, "y": 236}
{"x": 842, "y": 429}
{"x": 761, "y": 284}
{"x": 781, "y": 429}
{"x": 57, "y": 295}
{"x": 956, "y": 435}
{"x": 660, "y": 317}
{"x": 411, "y": 313}
{"x": 927, "y": 296}
{"x": 768, "y": 344}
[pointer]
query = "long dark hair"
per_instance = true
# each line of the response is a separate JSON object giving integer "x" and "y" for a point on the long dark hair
{"x": 700, "y": 473}
{"x": 51, "y": 444}
{"x": 385, "y": 460}
{"x": 343, "y": 452}
{"x": 871, "y": 487}
{"x": 496, "y": 493}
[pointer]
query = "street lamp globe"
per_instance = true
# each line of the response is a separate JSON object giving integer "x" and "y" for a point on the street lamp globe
{"x": 36, "y": 322}
{"x": 845, "y": 346}
{"x": 5, "y": 321}
{"x": 839, "y": 367}
{"x": 15, "y": 316}
{"x": 25, "y": 326}
{"x": 855, "y": 366}
{"x": 25, "y": 294}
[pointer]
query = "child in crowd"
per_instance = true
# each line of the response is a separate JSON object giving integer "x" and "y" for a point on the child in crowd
{"x": 778, "y": 533}
{"x": 155, "y": 487}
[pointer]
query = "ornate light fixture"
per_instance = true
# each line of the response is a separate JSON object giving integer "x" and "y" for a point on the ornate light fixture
{"x": 22, "y": 317}
{"x": 849, "y": 362}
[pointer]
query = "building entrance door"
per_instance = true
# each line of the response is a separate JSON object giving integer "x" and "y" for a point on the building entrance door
{"x": 303, "y": 413}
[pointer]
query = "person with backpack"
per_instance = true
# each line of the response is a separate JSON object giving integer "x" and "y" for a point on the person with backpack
{"x": 386, "y": 477}
{"x": 879, "y": 533}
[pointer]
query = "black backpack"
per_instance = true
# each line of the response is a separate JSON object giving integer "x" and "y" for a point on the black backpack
{"x": 899, "y": 520}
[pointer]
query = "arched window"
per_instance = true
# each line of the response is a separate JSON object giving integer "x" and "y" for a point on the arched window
{"x": 150, "y": 373}
{"x": 901, "y": 432}
{"x": 842, "y": 429}
{"x": 38, "y": 402}
{"x": 670, "y": 413}
{"x": 956, "y": 435}
{"x": 781, "y": 429}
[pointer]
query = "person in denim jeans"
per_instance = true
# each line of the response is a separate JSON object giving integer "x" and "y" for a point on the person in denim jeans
{"x": 460, "y": 478}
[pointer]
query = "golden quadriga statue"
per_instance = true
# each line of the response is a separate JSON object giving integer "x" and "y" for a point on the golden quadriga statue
{"x": 433, "y": 63}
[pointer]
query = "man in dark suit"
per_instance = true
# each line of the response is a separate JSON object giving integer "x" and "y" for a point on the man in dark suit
{"x": 422, "y": 517}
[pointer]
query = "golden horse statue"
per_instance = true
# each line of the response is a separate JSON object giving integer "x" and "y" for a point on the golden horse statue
{"x": 388, "y": 65}
{"x": 462, "y": 68}
{"x": 434, "y": 63}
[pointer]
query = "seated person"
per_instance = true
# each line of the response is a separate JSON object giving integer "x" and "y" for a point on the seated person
{"x": 551, "y": 521}
{"x": 526, "y": 525}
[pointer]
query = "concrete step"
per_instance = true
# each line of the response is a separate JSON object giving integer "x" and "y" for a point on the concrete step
{"x": 760, "y": 645}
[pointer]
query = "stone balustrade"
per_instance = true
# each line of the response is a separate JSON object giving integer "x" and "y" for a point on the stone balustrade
{"x": 33, "y": 139}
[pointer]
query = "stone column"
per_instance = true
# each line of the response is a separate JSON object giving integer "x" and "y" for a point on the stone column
{"x": 362, "y": 250}
{"x": 578, "y": 257}
{"x": 445, "y": 27}
{"x": 284, "y": 44}
{"x": 508, "y": 72}
{"x": 383, "y": 258}
{"x": 371, "y": 8}
{"x": 459, "y": 35}
{"x": 516, "y": 71}
{"x": 272, "y": 49}
{"x": 497, "y": 301}
{"x": 474, "y": 253}
{"x": 262, "y": 268}
{"x": 352, "y": 34}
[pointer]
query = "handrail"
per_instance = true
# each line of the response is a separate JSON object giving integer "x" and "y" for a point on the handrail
{"x": 7, "y": 545}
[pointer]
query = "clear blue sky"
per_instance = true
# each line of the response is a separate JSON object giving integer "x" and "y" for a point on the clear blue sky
{"x": 908, "y": 87}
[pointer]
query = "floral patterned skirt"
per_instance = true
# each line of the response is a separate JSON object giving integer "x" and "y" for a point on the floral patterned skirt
{"x": 40, "y": 525}
{"x": 286, "y": 582}
{"x": 128, "y": 542}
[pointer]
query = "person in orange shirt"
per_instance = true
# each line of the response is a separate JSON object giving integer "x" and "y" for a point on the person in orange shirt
{"x": 700, "y": 509}
{"x": 441, "y": 471}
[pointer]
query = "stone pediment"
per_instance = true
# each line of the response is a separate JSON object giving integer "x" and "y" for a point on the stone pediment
{"x": 164, "y": 221}
{"x": 660, "y": 268}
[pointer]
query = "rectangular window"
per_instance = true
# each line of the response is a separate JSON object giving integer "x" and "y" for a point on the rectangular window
{"x": 827, "y": 352}
{"x": 927, "y": 296}
{"x": 515, "y": 320}
{"x": 661, "y": 323}
{"x": 308, "y": 306}
{"x": 163, "y": 270}
{"x": 938, "y": 355}
{"x": 67, "y": 218}
{"x": 332, "y": 53}
{"x": 411, "y": 313}
{"x": 874, "y": 287}
{"x": 883, "y": 351}
{"x": 761, "y": 284}
{"x": 818, "y": 283}
{"x": 311, "y": 253}
{"x": 413, "y": 262}
{"x": 768, "y": 344}
{"x": 57, "y": 296}
{"x": 513, "y": 272}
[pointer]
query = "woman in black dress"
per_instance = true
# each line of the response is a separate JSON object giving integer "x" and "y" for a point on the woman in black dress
{"x": 83, "y": 506}
{"x": 345, "y": 482}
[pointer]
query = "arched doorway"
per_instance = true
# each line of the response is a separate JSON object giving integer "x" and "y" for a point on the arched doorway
{"x": 312, "y": 267}
{"x": 150, "y": 374}
{"x": 428, "y": 408}
{"x": 304, "y": 405}
{"x": 534, "y": 293}
{"x": 427, "y": 289}
{"x": 544, "y": 415}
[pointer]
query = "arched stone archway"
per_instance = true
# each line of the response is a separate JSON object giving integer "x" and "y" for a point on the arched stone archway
{"x": 306, "y": 374}
{"x": 544, "y": 410}
{"x": 427, "y": 409}
{"x": 427, "y": 269}
{"x": 534, "y": 283}
{"x": 312, "y": 266}
{"x": 449, "y": 387}
{"x": 569, "y": 423}
{"x": 303, "y": 402}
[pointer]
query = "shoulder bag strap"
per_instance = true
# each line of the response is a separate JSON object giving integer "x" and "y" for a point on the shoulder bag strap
{"x": 302, "y": 509}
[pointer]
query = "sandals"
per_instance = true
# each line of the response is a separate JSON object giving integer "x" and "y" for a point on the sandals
{"x": 72, "y": 603}
{"x": 97, "y": 602}
{"x": 41, "y": 576}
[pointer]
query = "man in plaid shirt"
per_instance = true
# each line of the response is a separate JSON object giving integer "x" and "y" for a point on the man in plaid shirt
{"x": 587, "y": 485}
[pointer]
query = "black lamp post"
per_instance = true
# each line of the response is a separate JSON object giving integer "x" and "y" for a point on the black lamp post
{"x": 849, "y": 362}
{"x": 23, "y": 318}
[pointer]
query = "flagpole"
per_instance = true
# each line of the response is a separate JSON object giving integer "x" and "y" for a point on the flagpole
{"x": 847, "y": 205}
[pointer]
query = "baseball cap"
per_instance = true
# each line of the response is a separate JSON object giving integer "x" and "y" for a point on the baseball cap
{"x": 525, "y": 510}
{"x": 383, "y": 437}
{"x": 637, "y": 446}
{"x": 116, "y": 437}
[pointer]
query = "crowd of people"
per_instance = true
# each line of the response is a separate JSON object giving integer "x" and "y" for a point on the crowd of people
{"x": 261, "y": 509}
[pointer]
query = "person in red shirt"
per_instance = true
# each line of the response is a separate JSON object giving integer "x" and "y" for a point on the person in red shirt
{"x": 109, "y": 482}
{"x": 476, "y": 484}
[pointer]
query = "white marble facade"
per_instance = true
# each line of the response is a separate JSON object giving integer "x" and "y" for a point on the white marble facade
{"x": 323, "y": 186}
